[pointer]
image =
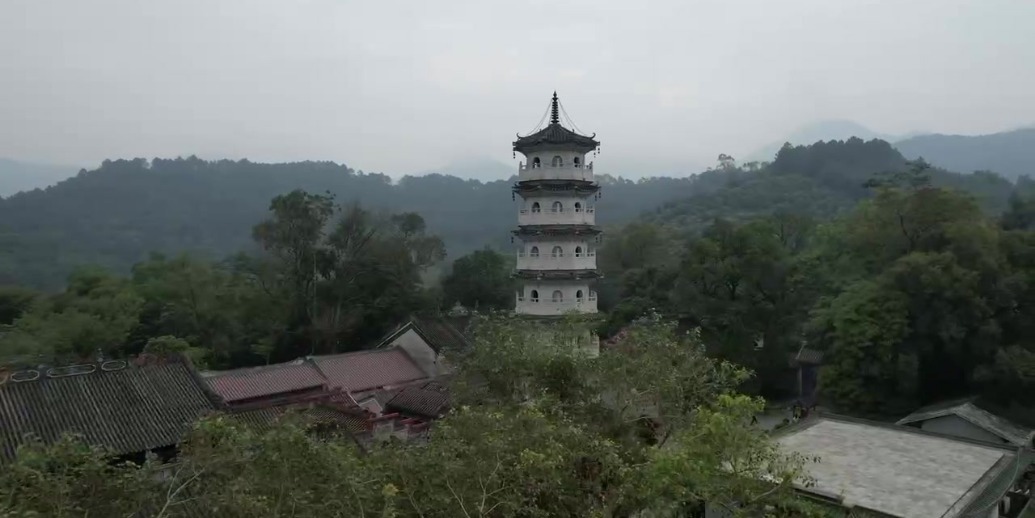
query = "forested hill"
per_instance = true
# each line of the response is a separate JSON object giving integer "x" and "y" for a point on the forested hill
{"x": 818, "y": 180}
{"x": 1010, "y": 153}
{"x": 116, "y": 215}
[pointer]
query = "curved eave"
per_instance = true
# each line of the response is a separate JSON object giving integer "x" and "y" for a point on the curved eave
{"x": 556, "y": 230}
{"x": 555, "y": 136}
{"x": 558, "y": 275}
{"x": 534, "y": 186}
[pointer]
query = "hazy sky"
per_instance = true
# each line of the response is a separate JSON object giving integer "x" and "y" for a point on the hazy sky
{"x": 402, "y": 86}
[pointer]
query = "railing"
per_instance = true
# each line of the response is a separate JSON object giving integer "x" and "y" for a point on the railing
{"x": 564, "y": 216}
{"x": 529, "y": 306}
{"x": 549, "y": 172}
{"x": 548, "y": 261}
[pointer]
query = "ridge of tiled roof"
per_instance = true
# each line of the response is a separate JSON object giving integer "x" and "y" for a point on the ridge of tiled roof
{"x": 969, "y": 411}
{"x": 250, "y": 383}
{"x": 438, "y": 331}
{"x": 556, "y": 135}
{"x": 430, "y": 399}
{"x": 361, "y": 371}
{"x": 127, "y": 406}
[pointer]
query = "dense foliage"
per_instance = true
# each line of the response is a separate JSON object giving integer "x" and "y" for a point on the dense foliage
{"x": 118, "y": 214}
{"x": 326, "y": 279}
{"x": 914, "y": 295}
{"x": 534, "y": 439}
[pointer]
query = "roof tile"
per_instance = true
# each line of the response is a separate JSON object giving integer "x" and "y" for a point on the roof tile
{"x": 368, "y": 370}
{"x": 272, "y": 380}
{"x": 114, "y": 404}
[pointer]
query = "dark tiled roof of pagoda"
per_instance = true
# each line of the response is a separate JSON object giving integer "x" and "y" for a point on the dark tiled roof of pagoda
{"x": 546, "y": 187}
{"x": 552, "y": 230}
{"x": 558, "y": 274}
{"x": 126, "y": 407}
{"x": 555, "y": 135}
{"x": 429, "y": 399}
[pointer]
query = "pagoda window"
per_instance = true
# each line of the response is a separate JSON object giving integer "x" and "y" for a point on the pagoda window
{"x": 557, "y": 296}
{"x": 578, "y": 296}
{"x": 557, "y": 252}
{"x": 534, "y": 252}
{"x": 536, "y": 163}
{"x": 578, "y": 207}
{"x": 557, "y": 161}
{"x": 578, "y": 163}
{"x": 535, "y": 207}
{"x": 578, "y": 252}
{"x": 557, "y": 207}
{"x": 534, "y": 296}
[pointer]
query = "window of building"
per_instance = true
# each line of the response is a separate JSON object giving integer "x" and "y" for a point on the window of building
{"x": 534, "y": 252}
{"x": 535, "y": 207}
{"x": 557, "y": 161}
{"x": 557, "y": 252}
{"x": 578, "y": 296}
{"x": 557, "y": 296}
{"x": 578, "y": 163}
{"x": 578, "y": 251}
{"x": 557, "y": 207}
{"x": 534, "y": 296}
{"x": 536, "y": 163}
{"x": 578, "y": 207}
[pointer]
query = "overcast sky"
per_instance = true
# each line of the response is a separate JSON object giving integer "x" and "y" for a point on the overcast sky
{"x": 403, "y": 86}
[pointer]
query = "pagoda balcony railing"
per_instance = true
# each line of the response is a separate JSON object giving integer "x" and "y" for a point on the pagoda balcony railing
{"x": 549, "y": 172}
{"x": 564, "y": 261}
{"x": 565, "y": 216}
{"x": 544, "y": 307}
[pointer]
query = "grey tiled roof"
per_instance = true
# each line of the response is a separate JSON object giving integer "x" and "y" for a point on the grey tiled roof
{"x": 429, "y": 399}
{"x": 970, "y": 412}
{"x": 901, "y": 471}
{"x": 554, "y": 135}
{"x": 114, "y": 404}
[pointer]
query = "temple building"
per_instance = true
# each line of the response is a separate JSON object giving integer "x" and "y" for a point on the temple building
{"x": 556, "y": 263}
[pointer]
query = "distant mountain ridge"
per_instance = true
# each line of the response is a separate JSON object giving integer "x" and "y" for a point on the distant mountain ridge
{"x": 1009, "y": 153}
{"x": 17, "y": 176}
{"x": 482, "y": 169}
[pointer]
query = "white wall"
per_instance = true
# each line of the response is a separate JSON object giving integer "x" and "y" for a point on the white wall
{"x": 546, "y": 305}
{"x": 957, "y": 427}
{"x": 419, "y": 350}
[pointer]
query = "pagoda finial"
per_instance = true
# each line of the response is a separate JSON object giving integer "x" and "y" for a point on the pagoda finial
{"x": 555, "y": 116}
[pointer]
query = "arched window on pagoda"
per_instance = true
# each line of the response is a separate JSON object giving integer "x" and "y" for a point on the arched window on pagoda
{"x": 535, "y": 207}
{"x": 577, "y": 161}
{"x": 557, "y": 207}
{"x": 534, "y": 252}
{"x": 578, "y": 207}
{"x": 557, "y": 161}
{"x": 534, "y": 296}
{"x": 557, "y": 252}
{"x": 578, "y": 251}
{"x": 536, "y": 164}
{"x": 557, "y": 296}
{"x": 578, "y": 296}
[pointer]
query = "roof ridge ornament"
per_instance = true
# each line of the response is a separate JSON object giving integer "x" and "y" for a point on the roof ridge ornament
{"x": 555, "y": 116}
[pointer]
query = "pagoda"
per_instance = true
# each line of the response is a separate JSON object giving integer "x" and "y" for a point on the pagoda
{"x": 557, "y": 261}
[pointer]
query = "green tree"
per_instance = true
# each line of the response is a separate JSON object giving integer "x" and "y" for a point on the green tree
{"x": 480, "y": 280}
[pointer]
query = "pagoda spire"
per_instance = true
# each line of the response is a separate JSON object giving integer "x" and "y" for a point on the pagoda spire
{"x": 555, "y": 116}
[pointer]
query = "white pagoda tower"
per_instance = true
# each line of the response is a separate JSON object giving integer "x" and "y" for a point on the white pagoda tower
{"x": 557, "y": 261}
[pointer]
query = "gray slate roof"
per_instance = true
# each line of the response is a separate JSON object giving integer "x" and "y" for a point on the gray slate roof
{"x": 114, "y": 404}
{"x": 901, "y": 471}
{"x": 968, "y": 411}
